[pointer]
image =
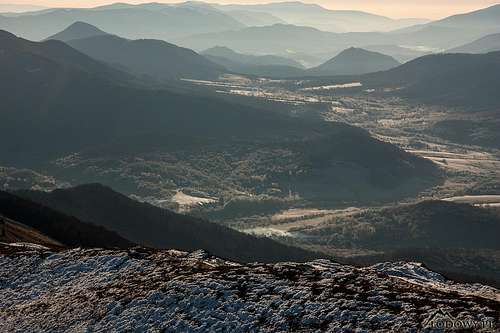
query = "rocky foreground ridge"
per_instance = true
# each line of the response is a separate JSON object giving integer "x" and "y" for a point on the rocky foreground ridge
{"x": 170, "y": 291}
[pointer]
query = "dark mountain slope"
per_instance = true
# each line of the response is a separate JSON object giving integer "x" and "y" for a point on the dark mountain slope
{"x": 355, "y": 61}
{"x": 77, "y": 30}
{"x": 32, "y": 58}
{"x": 160, "y": 228}
{"x": 63, "y": 228}
{"x": 456, "y": 79}
{"x": 68, "y": 96}
{"x": 490, "y": 43}
{"x": 284, "y": 38}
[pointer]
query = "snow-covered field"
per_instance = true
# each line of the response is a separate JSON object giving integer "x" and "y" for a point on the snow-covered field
{"x": 334, "y": 86}
{"x": 186, "y": 200}
{"x": 476, "y": 199}
{"x": 143, "y": 290}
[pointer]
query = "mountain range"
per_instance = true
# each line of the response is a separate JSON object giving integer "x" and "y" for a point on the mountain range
{"x": 282, "y": 38}
{"x": 313, "y": 15}
{"x": 434, "y": 36}
{"x": 157, "y": 21}
{"x": 167, "y": 21}
{"x": 352, "y": 61}
{"x": 144, "y": 57}
{"x": 258, "y": 29}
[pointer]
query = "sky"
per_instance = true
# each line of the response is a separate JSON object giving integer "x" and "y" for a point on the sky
{"x": 432, "y": 9}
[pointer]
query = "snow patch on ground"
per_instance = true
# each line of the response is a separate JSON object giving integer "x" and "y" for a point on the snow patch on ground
{"x": 145, "y": 290}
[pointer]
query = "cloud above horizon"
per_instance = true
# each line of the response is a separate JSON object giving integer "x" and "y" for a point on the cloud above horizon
{"x": 393, "y": 8}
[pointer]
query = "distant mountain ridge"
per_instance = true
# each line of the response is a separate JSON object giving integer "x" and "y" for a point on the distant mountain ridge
{"x": 454, "y": 30}
{"x": 485, "y": 17}
{"x": 265, "y": 65}
{"x": 256, "y": 19}
{"x": 160, "y": 21}
{"x": 77, "y": 30}
{"x": 193, "y": 24}
{"x": 355, "y": 61}
{"x": 257, "y": 60}
{"x": 489, "y": 43}
{"x": 280, "y": 38}
{"x": 19, "y": 8}
{"x": 299, "y": 13}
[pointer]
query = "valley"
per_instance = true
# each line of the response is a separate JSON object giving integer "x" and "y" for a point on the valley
{"x": 237, "y": 185}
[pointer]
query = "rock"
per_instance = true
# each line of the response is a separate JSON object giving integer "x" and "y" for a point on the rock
{"x": 164, "y": 290}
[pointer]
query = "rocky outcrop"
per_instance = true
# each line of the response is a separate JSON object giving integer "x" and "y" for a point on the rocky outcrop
{"x": 170, "y": 291}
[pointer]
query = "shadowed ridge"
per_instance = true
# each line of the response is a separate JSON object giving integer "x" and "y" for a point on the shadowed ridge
{"x": 63, "y": 228}
{"x": 160, "y": 228}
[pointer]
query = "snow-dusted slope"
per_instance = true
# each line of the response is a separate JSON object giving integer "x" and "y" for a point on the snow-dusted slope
{"x": 167, "y": 291}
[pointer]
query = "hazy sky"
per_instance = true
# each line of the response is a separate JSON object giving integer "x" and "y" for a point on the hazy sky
{"x": 393, "y": 8}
